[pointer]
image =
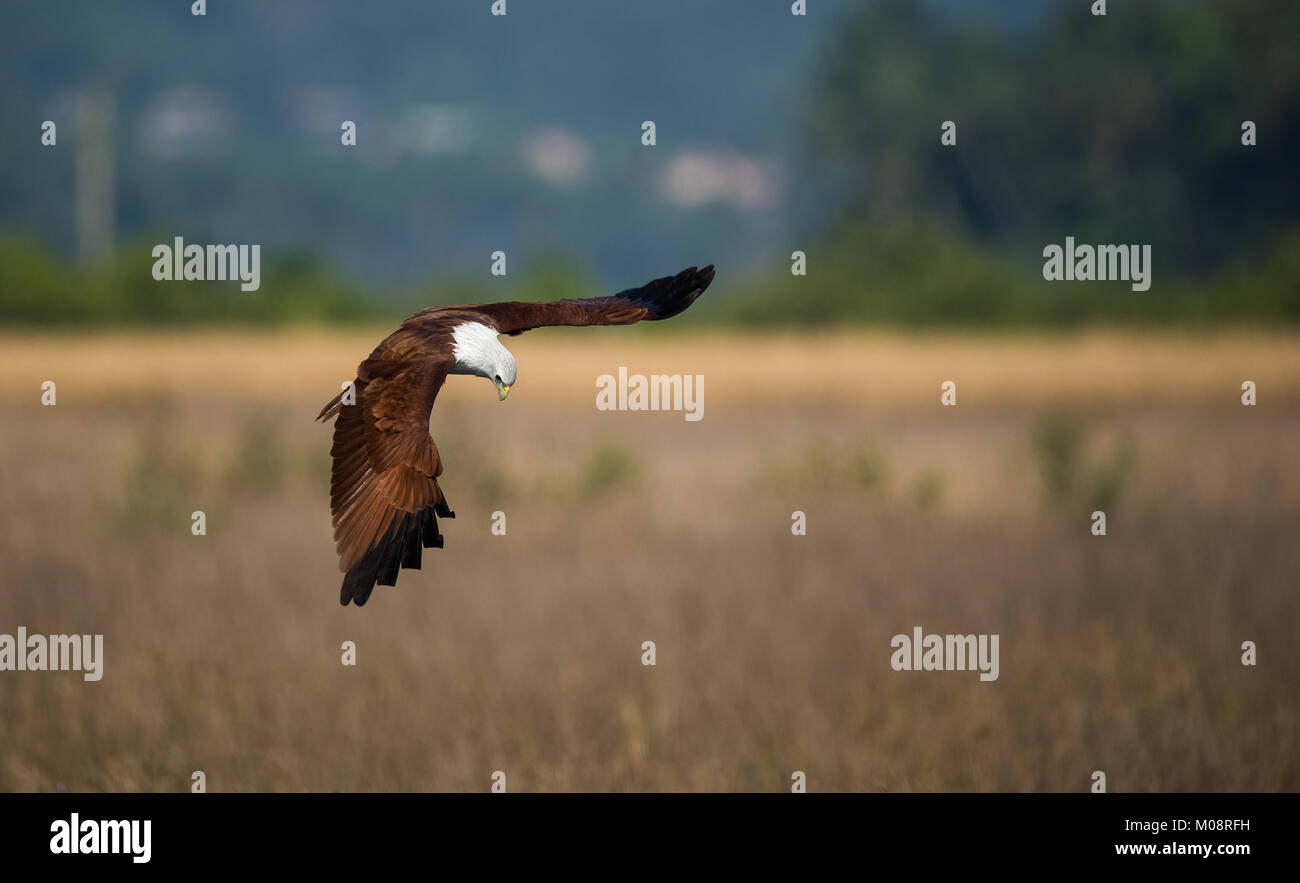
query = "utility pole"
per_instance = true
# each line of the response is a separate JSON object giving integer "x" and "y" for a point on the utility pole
{"x": 95, "y": 175}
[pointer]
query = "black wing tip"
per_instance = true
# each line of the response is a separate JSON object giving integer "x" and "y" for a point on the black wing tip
{"x": 401, "y": 548}
{"x": 667, "y": 297}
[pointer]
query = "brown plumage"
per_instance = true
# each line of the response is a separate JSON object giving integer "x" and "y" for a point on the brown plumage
{"x": 384, "y": 491}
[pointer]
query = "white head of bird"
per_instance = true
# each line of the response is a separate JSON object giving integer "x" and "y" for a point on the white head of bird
{"x": 478, "y": 352}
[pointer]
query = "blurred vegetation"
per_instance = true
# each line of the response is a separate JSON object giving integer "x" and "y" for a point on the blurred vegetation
{"x": 928, "y": 488}
{"x": 1072, "y": 469}
{"x": 259, "y": 461}
{"x": 607, "y": 467}
{"x": 1057, "y": 439}
{"x": 903, "y": 274}
{"x": 1122, "y": 129}
{"x": 159, "y": 485}
{"x": 39, "y": 288}
{"x": 822, "y": 465}
{"x": 913, "y": 275}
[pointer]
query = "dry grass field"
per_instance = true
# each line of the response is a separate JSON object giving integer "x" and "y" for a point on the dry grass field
{"x": 522, "y": 652}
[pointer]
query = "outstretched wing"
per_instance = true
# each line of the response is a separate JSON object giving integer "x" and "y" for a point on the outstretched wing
{"x": 384, "y": 491}
{"x": 660, "y": 299}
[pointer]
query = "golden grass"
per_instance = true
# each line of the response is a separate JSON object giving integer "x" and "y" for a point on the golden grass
{"x": 559, "y": 365}
{"x": 522, "y": 653}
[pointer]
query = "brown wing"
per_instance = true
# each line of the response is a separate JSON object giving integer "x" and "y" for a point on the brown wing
{"x": 384, "y": 491}
{"x": 660, "y": 299}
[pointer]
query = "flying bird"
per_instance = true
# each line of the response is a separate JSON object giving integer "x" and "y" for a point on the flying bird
{"x": 384, "y": 491}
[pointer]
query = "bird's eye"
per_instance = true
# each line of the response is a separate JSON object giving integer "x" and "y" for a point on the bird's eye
{"x": 497, "y": 378}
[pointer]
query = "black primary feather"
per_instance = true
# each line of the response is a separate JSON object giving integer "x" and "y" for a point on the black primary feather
{"x": 667, "y": 297}
{"x": 400, "y": 549}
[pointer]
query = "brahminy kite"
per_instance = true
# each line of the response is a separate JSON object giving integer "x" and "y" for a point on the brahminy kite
{"x": 384, "y": 491}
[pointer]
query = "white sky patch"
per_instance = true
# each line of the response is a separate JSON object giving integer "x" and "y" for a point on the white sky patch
{"x": 435, "y": 128}
{"x": 556, "y": 156}
{"x": 697, "y": 178}
{"x": 318, "y": 110}
{"x": 185, "y": 121}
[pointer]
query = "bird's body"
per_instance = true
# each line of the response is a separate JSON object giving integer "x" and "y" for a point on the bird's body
{"x": 384, "y": 491}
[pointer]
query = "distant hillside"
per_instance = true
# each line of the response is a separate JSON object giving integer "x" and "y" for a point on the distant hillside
{"x": 475, "y": 133}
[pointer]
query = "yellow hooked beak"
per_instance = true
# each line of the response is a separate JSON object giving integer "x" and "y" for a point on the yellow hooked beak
{"x": 503, "y": 391}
